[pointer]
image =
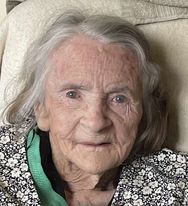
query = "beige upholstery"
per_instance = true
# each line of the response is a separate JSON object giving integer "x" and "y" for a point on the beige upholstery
{"x": 165, "y": 23}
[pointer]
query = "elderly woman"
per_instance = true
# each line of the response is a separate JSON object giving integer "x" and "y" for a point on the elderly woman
{"x": 89, "y": 121}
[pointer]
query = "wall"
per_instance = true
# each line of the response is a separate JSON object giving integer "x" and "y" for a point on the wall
{"x": 2, "y": 9}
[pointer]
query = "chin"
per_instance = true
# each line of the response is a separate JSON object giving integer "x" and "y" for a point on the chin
{"x": 96, "y": 167}
{"x": 95, "y": 162}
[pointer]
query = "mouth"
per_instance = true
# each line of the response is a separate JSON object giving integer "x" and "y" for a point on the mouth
{"x": 94, "y": 146}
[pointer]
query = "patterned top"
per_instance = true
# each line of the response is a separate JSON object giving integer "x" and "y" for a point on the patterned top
{"x": 158, "y": 179}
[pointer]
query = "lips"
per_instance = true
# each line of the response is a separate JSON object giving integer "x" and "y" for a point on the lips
{"x": 94, "y": 143}
{"x": 90, "y": 146}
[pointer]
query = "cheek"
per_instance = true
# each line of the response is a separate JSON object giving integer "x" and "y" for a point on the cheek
{"x": 62, "y": 119}
{"x": 126, "y": 132}
{"x": 126, "y": 125}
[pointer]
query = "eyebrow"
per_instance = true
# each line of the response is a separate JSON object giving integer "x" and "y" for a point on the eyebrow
{"x": 65, "y": 86}
{"x": 119, "y": 89}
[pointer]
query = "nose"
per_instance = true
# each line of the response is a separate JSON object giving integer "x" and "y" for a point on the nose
{"x": 95, "y": 119}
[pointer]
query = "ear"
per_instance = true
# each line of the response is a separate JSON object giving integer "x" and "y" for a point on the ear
{"x": 42, "y": 117}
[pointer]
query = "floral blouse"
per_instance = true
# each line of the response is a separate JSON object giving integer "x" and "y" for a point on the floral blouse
{"x": 158, "y": 179}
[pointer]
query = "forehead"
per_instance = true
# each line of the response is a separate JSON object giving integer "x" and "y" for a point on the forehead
{"x": 82, "y": 46}
{"x": 80, "y": 56}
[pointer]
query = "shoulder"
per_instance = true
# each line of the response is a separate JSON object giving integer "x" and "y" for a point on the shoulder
{"x": 12, "y": 138}
{"x": 158, "y": 178}
{"x": 172, "y": 164}
{"x": 14, "y": 133}
{"x": 16, "y": 184}
{"x": 9, "y": 141}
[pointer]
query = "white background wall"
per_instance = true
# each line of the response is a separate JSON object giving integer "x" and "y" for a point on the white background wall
{"x": 2, "y": 9}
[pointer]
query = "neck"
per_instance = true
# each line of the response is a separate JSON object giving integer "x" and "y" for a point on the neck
{"x": 77, "y": 179}
{"x": 82, "y": 188}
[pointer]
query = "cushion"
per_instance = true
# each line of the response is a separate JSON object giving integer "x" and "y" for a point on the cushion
{"x": 164, "y": 22}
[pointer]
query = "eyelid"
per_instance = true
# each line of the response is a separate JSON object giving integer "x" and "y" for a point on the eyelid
{"x": 72, "y": 90}
{"x": 124, "y": 91}
{"x": 112, "y": 95}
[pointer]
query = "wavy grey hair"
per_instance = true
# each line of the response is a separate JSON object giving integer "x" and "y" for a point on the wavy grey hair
{"x": 107, "y": 29}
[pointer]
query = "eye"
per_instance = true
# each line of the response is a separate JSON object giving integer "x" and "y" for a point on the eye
{"x": 72, "y": 94}
{"x": 120, "y": 99}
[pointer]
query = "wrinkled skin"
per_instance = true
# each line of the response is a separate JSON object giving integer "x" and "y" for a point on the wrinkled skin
{"x": 92, "y": 109}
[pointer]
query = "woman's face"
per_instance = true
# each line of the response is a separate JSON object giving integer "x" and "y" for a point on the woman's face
{"x": 92, "y": 105}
